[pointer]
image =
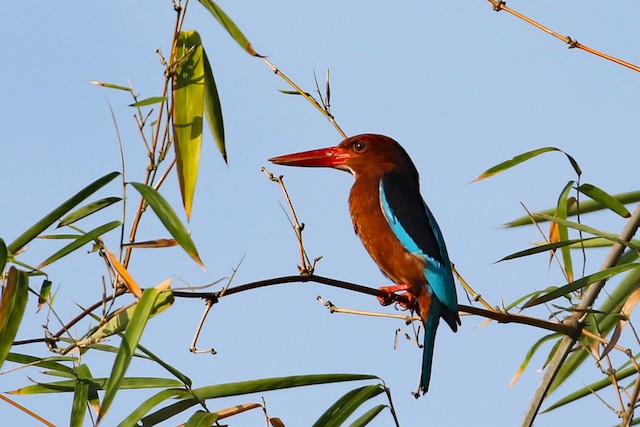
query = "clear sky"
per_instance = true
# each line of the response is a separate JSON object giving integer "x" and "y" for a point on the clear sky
{"x": 460, "y": 86}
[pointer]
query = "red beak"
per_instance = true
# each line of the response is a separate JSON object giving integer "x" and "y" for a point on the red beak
{"x": 333, "y": 157}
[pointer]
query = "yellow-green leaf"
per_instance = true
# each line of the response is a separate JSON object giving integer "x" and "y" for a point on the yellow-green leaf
{"x": 202, "y": 419}
{"x": 57, "y": 213}
{"x": 338, "y": 413}
{"x": 12, "y": 306}
{"x": 188, "y": 109}
{"x": 605, "y": 199}
{"x": 168, "y": 217}
{"x": 229, "y": 25}
{"x": 508, "y": 164}
{"x": 149, "y": 101}
{"x": 563, "y": 231}
{"x": 79, "y": 242}
{"x": 45, "y": 293}
{"x": 143, "y": 310}
{"x": 581, "y": 283}
{"x": 585, "y": 207}
{"x": 111, "y": 85}
{"x": 212, "y": 107}
{"x": 4, "y": 256}
{"x": 87, "y": 210}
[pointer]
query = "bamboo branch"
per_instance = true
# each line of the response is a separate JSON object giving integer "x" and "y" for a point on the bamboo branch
{"x": 577, "y": 320}
{"x": 501, "y": 5}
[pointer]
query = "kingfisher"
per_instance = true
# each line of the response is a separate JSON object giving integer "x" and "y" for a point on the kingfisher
{"x": 397, "y": 229}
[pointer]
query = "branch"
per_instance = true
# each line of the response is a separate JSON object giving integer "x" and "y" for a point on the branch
{"x": 501, "y": 5}
{"x": 577, "y": 320}
{"x": 499, "y": 316}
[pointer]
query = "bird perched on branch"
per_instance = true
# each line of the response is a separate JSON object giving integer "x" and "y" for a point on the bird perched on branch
{"x": 397, "y": 229}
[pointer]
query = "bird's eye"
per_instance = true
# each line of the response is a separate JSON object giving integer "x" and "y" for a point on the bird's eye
{"x": 359, "y": 146}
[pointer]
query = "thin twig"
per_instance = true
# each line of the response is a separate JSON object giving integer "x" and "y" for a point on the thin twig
{"x": 501, "y": 5}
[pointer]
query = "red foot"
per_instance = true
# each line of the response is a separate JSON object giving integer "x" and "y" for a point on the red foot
{"x": 406, "y": 300}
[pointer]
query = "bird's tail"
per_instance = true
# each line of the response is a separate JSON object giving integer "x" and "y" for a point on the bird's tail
{"x": 430, "y": 328}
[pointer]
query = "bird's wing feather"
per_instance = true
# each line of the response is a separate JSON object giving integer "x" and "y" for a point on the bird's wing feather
{"x": 414, "y": 225}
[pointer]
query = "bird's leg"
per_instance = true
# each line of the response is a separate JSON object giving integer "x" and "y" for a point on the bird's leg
{"x": 406, "y": 300}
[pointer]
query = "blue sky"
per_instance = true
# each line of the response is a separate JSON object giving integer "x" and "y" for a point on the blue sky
{"x": 460, "y": 86}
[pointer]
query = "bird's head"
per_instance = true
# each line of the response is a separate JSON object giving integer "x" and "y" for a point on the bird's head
{"x": 366, "y": 155}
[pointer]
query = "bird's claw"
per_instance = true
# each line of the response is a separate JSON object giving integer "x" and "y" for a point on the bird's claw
{"x": 405, "y": 300}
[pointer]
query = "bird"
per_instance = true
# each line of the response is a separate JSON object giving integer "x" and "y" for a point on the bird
{"x": 396, "y": 228}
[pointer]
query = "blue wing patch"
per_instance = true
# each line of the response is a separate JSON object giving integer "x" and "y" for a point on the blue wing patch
{"x": 414, "y": 225}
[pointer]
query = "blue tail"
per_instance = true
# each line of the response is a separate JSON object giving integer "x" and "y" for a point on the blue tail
{"x": 430, "y": 328}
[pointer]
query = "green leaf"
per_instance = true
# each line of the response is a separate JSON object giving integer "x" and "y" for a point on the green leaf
{"x": 169, "y": 218}
{"x": 593, "y": 387}
{"x": 12, "y": 306}
{"x": 121, "y": 320}
{"x": 543, "y": 248}
{"x": 67, "y": 386}
{"x": 47, "y": 363}
{"x": 581, "y": 283}
{"x": 604, "y": 321}
{"x": 585, "y": 207}
{"x": 58, "y": 212}
{"x": 534, "y": 348}
{"x": 79, "y": 242}
{"x": 143, "y": 311}
{"x": 87, "y": 210}
{"x": 79, "y": 405}
{"x": 508, "y": 164}
{"x": 149, "y": 404}
{"x": 111, "y": 86}
{"x": 605, "y": 199}
{"x": 585, "y": 229}
{"x": 45, "y": 293}
{"x": 346, "y": 405}
{"x": 149, "y": 101}
{"x": 4, "y": 256}
{"x": 563, "y": 231}
{"x": 212, "y": 107}
{"x": 202, "y": 419}
{"x": 188, "y": 109}
{"x": 368, "y": 416}
{"x": 230, "y": 26}
{"x": 232, "y": 389}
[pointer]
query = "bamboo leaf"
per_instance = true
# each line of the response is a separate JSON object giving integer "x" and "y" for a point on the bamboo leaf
{"x": 585, "y": 229}
{"x": 12, "y": 306}
{"x": 4, "y": 256}
{"x": 79, "y": 242}
{"x": 188, "y": 109}
{"x": 581, "y": 283}
{"x": 87, "y": 210}
{"x": 508, "y": 164}
{"x": 126, "y": 278}
{"x": 543, "y": 248}
{"x": 47, "y": 363}
{"x": 136, "y": 416}
{"x": 142, "y": 313}
{"x": 120, "y": 321}
{"x": 111, "y": 86}
{"x": 169, "y": 218}
{"x": 212, "y": 107}
{"x": 230, "y": 26}
{"x": 202, "y": 419}
{"x": 346, "y": 405}
{"x": 605, "y": 199}
{"x": 237, "y": 409}
{"x": 57, "y": 213}
{"x": 45, "y": 293}
{"x": 231, "y": 389}
{"x": 149, "y": 101}
{"x": 368, "y": 416}
{"x": 620, "y": 374}
{"x": 79, "y": 405}
{"x": 604, "y": 321}
{"x": 152, "y": 244}
{"x": 529, "y": 355}
{"x": 585, "y": 207}
{"x": 67, "y": 386}
{"x": 625, "y": 312}
{"x": 563, "y": 231}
